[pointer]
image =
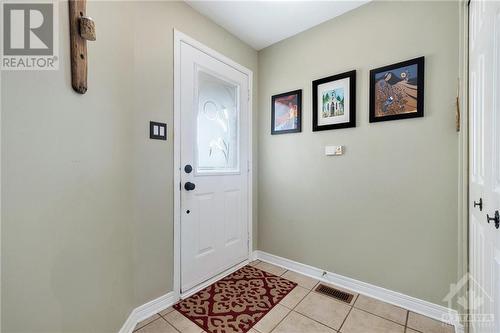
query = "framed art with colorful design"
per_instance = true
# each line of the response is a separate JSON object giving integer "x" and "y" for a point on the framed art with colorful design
{"x": 286, "y": 112}
{"x": 334, "y": 102}
{"x": 397, "y": 91}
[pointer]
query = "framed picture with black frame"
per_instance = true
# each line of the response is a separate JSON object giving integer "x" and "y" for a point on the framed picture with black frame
{"x": 334, "y": 102}
{"x": 286, "y": 112}
{"x": 397, "y": 91}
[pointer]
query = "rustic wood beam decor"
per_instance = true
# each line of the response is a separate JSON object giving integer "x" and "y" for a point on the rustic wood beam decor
{"x": 82, "y": 29}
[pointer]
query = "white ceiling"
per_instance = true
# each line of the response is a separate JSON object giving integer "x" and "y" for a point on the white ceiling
{"x": 262, "y": 23}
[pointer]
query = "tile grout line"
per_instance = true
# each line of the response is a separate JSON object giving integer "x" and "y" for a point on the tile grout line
{"x": 293, "y": 310}
{"x": 406, "y": 322}
{"x": 303, "y": 298}
{"x": 175, "y": 328}
{"x": 302, "y": 314}
{"x": 286, "y": 307}
{"x": 140, "y": 328}
{"x": 165, "y": 315}
{"x": 315, "y": 320}
{"x": 406, "y": 325}
{"x": 279, "y": 303}
{"x": 183, "y": 316}
{"x": 345, "y": 319}
{"x": 353, "y": 306}
{"x": 279, "y": 321}
{"x": 378, "y": 316}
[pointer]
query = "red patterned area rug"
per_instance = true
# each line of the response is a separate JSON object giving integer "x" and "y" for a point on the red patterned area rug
{"x": 237, "y": 302}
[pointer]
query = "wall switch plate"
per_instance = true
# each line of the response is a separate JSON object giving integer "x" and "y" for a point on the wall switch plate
{"x": 157, "y": 131}
{"x": 334, "y": 150}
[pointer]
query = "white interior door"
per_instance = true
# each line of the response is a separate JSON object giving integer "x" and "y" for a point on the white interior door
{"x": 484, "y": 91}
{"x": 214, "y": 99}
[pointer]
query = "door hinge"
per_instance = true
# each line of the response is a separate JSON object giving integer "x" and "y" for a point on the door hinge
{"x": 180, "y": 186}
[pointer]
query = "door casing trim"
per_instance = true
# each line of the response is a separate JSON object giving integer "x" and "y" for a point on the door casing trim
{"x": 179, "y": 38}
{"x": 463, "y": 145}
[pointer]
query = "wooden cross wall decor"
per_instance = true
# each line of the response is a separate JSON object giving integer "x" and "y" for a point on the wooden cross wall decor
{"x": 81, "y": 29}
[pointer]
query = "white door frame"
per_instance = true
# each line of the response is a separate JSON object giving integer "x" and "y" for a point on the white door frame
{"x": 180, "y": 37}
{"x": 463, "y": 141}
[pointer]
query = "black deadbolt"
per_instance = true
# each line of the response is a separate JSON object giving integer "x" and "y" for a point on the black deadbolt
{"x": 188, "y": 168}
{"x": 189, "y": 186}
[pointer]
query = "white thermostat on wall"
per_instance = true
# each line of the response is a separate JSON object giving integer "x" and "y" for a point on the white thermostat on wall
{"x": 334, "y": 150}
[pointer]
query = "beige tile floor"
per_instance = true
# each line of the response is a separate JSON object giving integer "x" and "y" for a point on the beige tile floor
{"x": 305, "y": 311}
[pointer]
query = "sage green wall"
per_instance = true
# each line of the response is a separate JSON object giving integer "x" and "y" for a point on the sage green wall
{"x": 385, "y": 212}
{"x": 87, "y": 229}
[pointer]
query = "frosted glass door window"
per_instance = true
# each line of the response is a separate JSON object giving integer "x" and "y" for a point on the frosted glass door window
{"x": 217, "y": 142}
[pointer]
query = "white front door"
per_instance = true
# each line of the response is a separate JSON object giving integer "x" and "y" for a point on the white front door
{"x": 484, "y": 92}
{"x": 214, "y": 100}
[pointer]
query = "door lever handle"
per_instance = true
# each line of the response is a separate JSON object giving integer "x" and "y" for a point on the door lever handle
{"x": 496, "y": 219}
{"x": 479, "y": 204}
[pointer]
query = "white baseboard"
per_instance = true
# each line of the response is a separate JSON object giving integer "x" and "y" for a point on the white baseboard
{"x": 147, "y": 310}
{"x": 408, "y": 302}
